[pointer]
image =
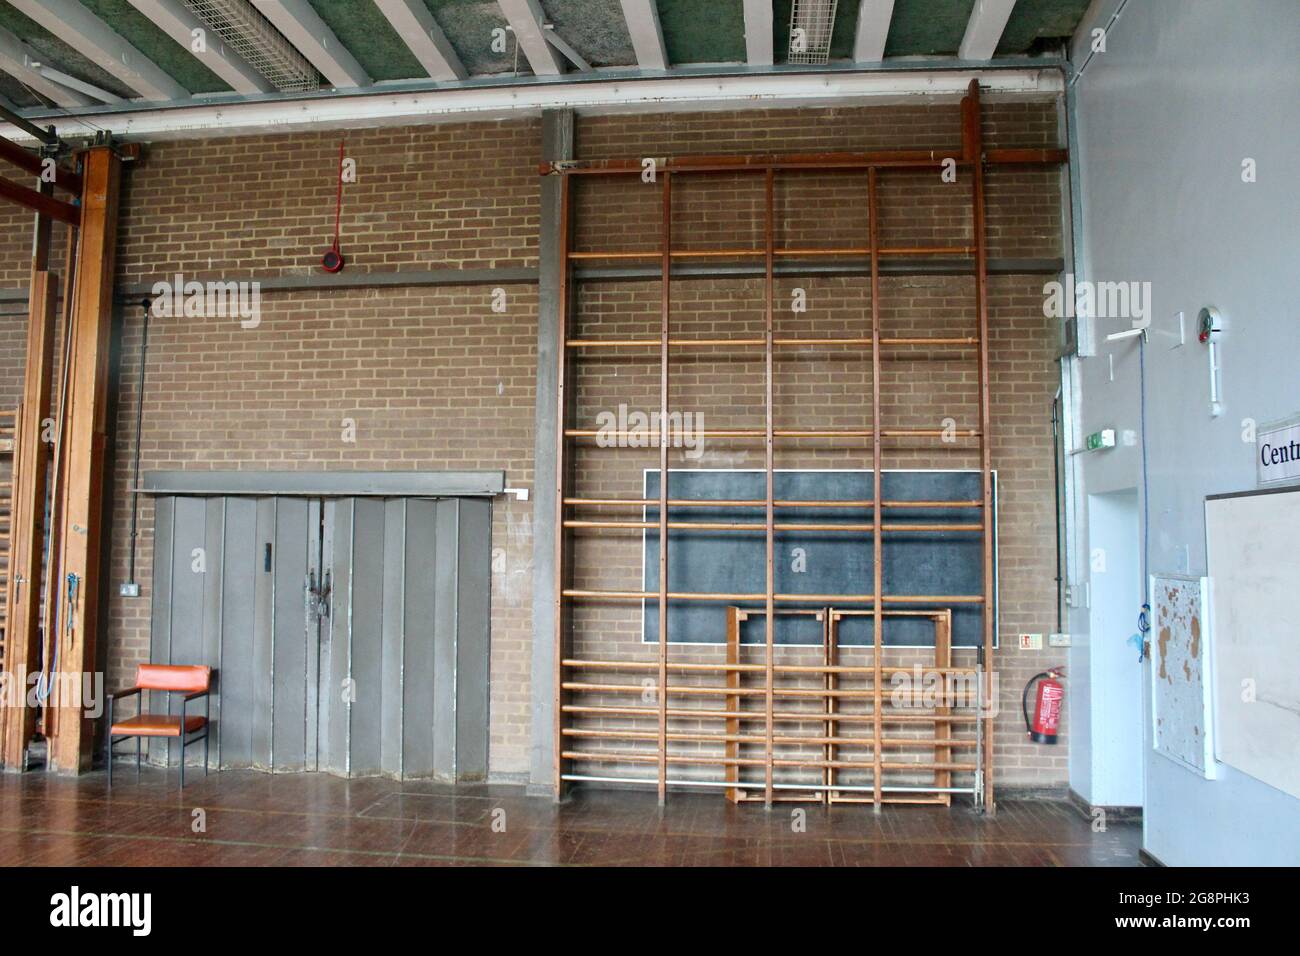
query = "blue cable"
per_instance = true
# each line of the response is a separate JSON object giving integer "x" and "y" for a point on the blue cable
{"x": 1143, "y": 622}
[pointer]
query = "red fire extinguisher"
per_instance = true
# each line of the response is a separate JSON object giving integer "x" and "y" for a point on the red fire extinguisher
{"x": 1047, "y": 706}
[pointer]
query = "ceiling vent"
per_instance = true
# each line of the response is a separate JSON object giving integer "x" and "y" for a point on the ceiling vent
{"x": 245, "y": 31}
{"x": 811, "y": 25}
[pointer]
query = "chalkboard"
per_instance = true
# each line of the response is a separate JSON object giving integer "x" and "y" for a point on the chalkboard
{"x": 815, "y": 562}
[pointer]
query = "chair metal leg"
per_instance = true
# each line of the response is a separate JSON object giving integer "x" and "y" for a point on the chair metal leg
{"x": 205, "y": 754}
{"x": 137, "y": 759}
{"x": 110, "y": 761}
{"x": 182, "y": 749}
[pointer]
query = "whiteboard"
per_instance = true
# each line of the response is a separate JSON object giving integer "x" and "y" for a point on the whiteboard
{"x": 1253, "y": 549}
{"x": 1181, "y": 681}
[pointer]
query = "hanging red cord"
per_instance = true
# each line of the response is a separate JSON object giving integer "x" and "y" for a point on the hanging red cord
{"x": 332, "y": 261}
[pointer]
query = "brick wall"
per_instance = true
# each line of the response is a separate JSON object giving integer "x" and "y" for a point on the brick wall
{"x": 435, "y": 379}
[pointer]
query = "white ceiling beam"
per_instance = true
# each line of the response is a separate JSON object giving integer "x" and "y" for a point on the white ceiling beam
{"x": 92, "y": 38}
{"x": 303, "y": 27}
{"x": 874, "y": 17}
{"x": 420, "y": 32}
{"x": 23, "y": 63}
{"x": 80, "y": 86}
{"x": 527, "y": 20}
{"x": 179, "y": 22}
{"x": 563, "y": 45}
{"x": 642, "y": 18}
{"x": 988, "y": 18}
{"x": 376, "y": 107}
{"x": 758, "y": 32}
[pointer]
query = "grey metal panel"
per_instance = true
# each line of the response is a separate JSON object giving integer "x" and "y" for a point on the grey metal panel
{"x": 289, "y": 636}
{"x": 213, "y": 609}
{"x": 473, "y": 638}
{"x": 263, "y": 666}
{"x": 241, "y": 571}
{"x": 189, "y": 565}
{"x": 446, "y": 593}
{"x": 335, "y": 664}
{"x": 367, "y": 636}
{"x": 393, "y": 637}
{"x": 325, "y": 483}
{"x": 313, "y": 649}
{"x": 160, "y": 625}
{"x": 418, "y": 716}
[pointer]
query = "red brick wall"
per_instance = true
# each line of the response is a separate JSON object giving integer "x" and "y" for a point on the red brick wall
{"x": 435, "y": 379}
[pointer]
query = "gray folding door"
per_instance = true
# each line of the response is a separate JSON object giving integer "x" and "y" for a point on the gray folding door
{"x": 348, "y": 635}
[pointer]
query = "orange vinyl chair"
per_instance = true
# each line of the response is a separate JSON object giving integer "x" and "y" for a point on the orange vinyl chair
{"x": 192, "y": 680}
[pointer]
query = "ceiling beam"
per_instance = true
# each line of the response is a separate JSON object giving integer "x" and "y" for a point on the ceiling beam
{"x": 303, "y": 27}
{"x": 92, "y": 38}
{"x": 413, "y": 22}
{"x": 873, "y": 30}
{"x": 683, "y": 90}
{"x": 988, "y": 18}
{"x": 758, "y": 32}
{"x": 642, "y": 18}
{"x": 80, "y": 86}
{"x": 527, "y": 20}
{"x": 179, "y": 22}
{"x": 23, "y": 63}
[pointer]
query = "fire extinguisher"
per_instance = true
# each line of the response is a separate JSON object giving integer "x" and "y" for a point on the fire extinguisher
{"x": 1047, "y": 706}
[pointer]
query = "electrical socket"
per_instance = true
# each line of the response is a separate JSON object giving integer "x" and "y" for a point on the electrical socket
{"x": 1058, "y": 640}
{"x": 129, "y": 589}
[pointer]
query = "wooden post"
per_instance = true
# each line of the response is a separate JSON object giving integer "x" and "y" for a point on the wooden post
{"x": 27, "y": 517}
{"x": 27, "y": 497}
{"x": 80, "y": 532}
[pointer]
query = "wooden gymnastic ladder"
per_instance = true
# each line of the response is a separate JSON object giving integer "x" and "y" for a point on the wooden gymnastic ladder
{"x": 8, "y": 435}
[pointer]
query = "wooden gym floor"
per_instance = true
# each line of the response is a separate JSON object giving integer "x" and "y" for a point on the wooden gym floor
{"x": 255, "y": 819}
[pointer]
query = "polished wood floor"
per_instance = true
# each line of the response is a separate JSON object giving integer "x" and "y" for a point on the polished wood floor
{"x": 256, "y": 819}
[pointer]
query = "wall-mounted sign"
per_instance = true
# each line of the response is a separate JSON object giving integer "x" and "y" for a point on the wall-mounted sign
{"x": 1277, "y": 452}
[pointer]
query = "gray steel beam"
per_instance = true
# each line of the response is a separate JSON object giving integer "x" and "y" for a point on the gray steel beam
{"x": 418, "y": 484}
{"x": 557, "y": 144}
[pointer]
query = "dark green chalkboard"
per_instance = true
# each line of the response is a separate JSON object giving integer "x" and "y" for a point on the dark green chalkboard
{"x": 835, "y": 562}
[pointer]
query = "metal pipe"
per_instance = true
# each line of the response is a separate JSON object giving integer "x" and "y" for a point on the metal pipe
{"x": 146, "y": 304}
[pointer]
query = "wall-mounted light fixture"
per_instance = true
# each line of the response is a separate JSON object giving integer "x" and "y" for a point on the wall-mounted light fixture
{"x": 1209, "y": 330}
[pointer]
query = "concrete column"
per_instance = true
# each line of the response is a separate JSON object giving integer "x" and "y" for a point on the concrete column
{"x": 557, "y": 143}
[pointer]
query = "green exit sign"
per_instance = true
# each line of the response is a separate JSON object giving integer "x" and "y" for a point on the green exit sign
{"x": 1102, "y": 439}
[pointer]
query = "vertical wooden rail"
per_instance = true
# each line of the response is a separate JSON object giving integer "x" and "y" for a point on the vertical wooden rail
{"x": 973, "y": 147}
{"x": 830, "y": 683}
{"x": 943, "y": 728}
{"x": 561, "y": 443}
{"x": 27, "y": 498}
{"x": 666, "y": 264}
{"x": 70, "y": 750}
{"x": 877, "y": 549}
{"x": 54, "y": 523}
{"x": 769, "y": 674}
{"x": 731, "y": 749}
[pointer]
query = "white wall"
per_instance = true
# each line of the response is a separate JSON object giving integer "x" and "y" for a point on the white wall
{"x": 1104, "y": 675}
{"x": 1184, "y": 92}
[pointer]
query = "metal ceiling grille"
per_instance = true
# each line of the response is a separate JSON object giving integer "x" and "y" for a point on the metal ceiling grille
{"x": 246, "y": 32}
{"x": 811, "y": 25}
